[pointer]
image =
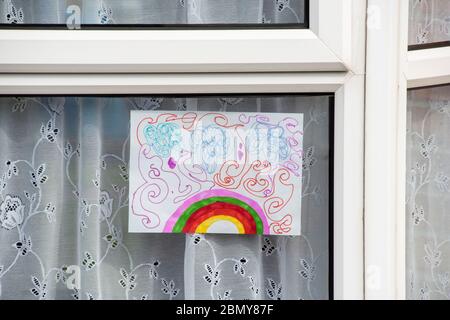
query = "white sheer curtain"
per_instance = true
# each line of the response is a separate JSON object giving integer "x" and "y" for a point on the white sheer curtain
{"x": 155, "y": 11}
{"x": 428, "y": 194}
{"x": 64, "y": 207}
{"x": 429, "y": 21}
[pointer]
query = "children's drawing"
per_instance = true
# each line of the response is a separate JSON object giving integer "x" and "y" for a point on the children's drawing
{"x": 216, "y": 172}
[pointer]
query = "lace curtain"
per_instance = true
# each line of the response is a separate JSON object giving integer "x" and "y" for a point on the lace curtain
{"x": 428, "y": 194}
{"x": 64, "y": 206}
{"x": 153, "y": 11}
{"x": 429, "y": 21}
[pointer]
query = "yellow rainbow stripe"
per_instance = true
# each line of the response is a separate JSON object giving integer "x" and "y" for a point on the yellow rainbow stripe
{"x": 204, "y": 226}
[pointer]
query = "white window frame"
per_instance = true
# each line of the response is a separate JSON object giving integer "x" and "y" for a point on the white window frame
{"x": 329, "y": 58}
{"x": 326, "y": 46}
{"x": 391, "y": 70}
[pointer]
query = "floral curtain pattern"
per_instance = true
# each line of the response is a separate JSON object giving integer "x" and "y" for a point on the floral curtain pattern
{"x": 64, "y": 206}
{"x": 102, "y": 12}
{"x": 429, "y": 21}
{"x": 428, "y": 194}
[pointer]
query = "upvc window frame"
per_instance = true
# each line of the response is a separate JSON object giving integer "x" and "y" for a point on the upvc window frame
{"x": 325, "y": 46}
{"x": 328, "y": 58}
{"x": 389, "y": 62}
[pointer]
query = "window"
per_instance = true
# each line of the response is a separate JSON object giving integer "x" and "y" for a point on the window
{"x": 93, "y": 130}
{"x": 277, "y": 70}
{"x": 429, "y": 23}
{"x": 406, "y": 140}
{"x": 154, "y": 13}
{"x": 426, "y": 193}
{"x": 426, "y": 145}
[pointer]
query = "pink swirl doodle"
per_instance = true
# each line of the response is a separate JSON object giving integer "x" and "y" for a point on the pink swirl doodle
{"x": 273, "y": 205}
{"x": 194, "y": 175}
{"x": 259, "y": 184}
{"x": 152, "y": 191}
{"x": 231, "y": 173}
{"x": 280, "y": 187}
{"x": 183, "y": 189}
{"x": 295, "y": 143}
{"x": 293, "y": 166}
{"x": 225, "y": 178}
{"x": 245, "y": 119}
{"x": 290, "y": 124}
{"x": 221, "y": 120}
{"x": 283, "y": 225}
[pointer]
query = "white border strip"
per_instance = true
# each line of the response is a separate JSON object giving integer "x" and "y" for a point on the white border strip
{"x": 18, "y": 84}
{"x": 428, "y": 67}
{"x": 349, "y": 190}
{"x": 146, "y": 51}
{"x": 385, "y": 48}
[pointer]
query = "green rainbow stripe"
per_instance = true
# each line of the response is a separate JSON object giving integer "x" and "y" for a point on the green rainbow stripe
{"x": 179, "y": 225}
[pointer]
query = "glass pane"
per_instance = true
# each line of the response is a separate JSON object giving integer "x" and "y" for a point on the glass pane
{"x": 154, "y": 12}
{"x": 428, "y": 194}
{"x": 429, "y": 22}
{"x": 64, "y": 208}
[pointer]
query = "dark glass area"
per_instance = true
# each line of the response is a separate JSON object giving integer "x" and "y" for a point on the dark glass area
{"x": 153, "y": 13}
{"x": 429, "y": 24}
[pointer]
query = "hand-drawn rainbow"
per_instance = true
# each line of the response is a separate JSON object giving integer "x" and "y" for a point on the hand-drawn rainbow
{"x": 202, "y": 211}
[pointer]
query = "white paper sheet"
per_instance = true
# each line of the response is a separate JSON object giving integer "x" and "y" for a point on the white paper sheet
{"x": 216, "y": 172}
